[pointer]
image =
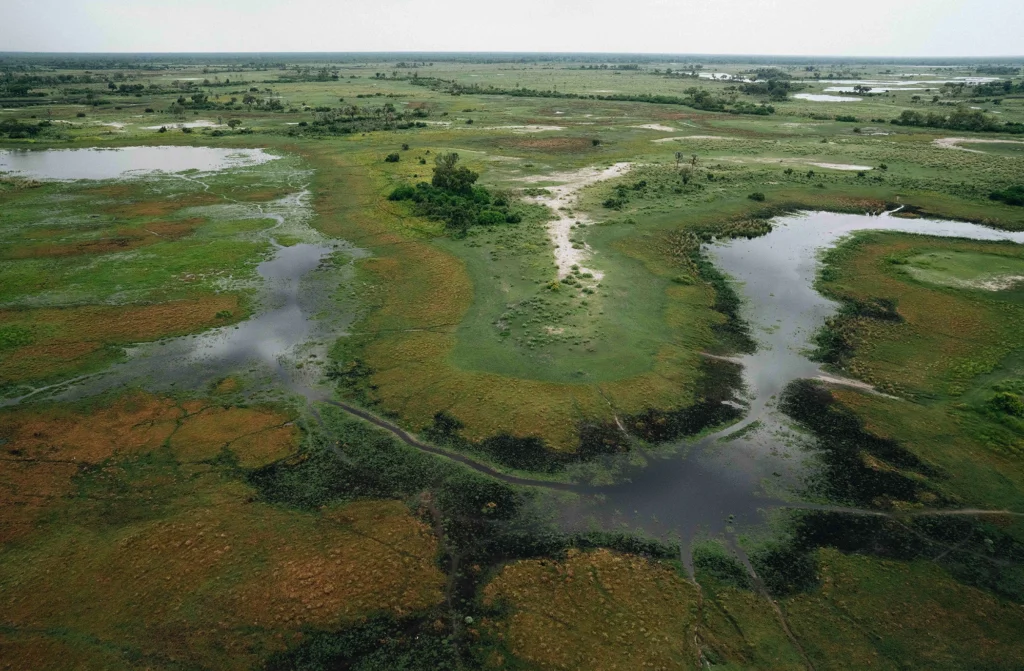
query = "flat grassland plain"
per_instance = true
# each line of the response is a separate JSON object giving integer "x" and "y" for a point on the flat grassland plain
{"x": 213, "y": 270}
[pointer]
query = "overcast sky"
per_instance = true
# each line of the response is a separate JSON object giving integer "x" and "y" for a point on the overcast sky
{"x": 798, "y": 27}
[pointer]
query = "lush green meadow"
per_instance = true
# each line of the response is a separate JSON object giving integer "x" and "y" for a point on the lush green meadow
{"x": 558, "y": 310}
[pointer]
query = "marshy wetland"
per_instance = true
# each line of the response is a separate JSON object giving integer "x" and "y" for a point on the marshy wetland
{"x": 510, "y": 363}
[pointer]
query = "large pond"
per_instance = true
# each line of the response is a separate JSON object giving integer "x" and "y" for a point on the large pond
{"x": 754, "y": 465}
{"x": 124, "y": 162}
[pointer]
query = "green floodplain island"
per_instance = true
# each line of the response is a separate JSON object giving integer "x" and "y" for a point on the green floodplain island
{"x": 489, "y": 362}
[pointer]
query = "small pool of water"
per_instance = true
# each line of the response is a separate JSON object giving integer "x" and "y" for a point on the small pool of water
{"x": 124, "y": 162}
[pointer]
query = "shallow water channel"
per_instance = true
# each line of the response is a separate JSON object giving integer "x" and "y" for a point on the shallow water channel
{"x": 724, "y": 480}
{"x": 731, "y": 477}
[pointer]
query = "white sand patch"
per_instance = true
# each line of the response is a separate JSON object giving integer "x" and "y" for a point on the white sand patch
{"x": 191, "y": 124}
{"x": 564, "y": 197}
{"x": 526, "y": 129}
{"x": 656, "y": 126}
{"x": 854, "y": 384}
{"x": 954, "y": 143}
{"x": 822, "y": 98}
{"x": 693, "y": 137}
{"x": 996, "y": 283}
{"x": 841, "y": 166}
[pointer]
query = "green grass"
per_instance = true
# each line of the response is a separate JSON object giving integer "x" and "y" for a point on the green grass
{"x": 473, "y": 328}
{"x": 966, "y": 270}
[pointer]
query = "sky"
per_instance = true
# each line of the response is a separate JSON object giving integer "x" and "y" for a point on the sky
{"x": 924, "y": 28}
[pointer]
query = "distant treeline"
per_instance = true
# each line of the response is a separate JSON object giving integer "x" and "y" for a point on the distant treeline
{"x": 696, "y": 98}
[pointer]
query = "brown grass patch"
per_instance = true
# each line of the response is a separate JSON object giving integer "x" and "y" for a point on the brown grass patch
{"x": 132, "y": 424}
{"x": 228, "y": 385}
{"x": 69, "y": 338}
{"x": 121, "y": 240}
{"x": 27, "y": 490}
{"x": 597, "y": 610}
{"x": 257, "y": 436}
{"x": 222, "y": 583}
{"x": 160, "y": 208}
{"x": 43, "y": 448}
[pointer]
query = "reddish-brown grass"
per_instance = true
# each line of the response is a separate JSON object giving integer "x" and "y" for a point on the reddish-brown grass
{"x": 596, "y": 610}
{"x": 74, "y": 335}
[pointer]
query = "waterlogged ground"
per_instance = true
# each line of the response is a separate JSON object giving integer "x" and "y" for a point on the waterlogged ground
{"x": 706, "y": 405}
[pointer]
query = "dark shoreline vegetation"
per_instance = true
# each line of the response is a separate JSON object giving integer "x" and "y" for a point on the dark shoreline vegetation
{"x": 233, "y": 525}
{"x": 481, "y": 523}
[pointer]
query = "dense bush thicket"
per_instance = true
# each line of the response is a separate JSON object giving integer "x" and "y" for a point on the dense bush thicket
{"x": 961, "y": 119}
{"x": 775, "y": 89}
{"x": 451, "y": 197}
{"x": 18, "y": 130}
{"x": 1013, "y": 195}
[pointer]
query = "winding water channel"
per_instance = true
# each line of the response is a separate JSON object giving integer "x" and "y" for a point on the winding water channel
{"x": 726, "y": 479}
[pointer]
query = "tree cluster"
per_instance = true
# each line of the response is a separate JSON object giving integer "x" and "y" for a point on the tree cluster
{"x": 962, "y": 119}
{"x": 452, "y": 197}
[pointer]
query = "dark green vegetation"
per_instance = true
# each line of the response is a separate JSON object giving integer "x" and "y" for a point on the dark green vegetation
{"x": 960, "y": 119}
{"x": 1013, "y": 195}
{"x": 521, "y": 303}
{"x": 451, "y": 197}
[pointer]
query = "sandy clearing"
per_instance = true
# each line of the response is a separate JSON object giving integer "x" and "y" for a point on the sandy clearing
{"x": 841, "y": 166}
{"x": 526, "y": 129}
{"x": 853, "y": 384}
{"x": 990, "y": 283}
{"x": 693, "y": 137}
{"x": 564, "y": 197}
{"x": 954, "y": 143}
{"x": 821, "y": 98}
{"x": 655, "y": 126}
{"x": 996, "y": 283}
{"x": 191, "y": 124}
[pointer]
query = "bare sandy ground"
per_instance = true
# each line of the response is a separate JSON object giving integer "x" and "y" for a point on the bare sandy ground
{"x": 527, "y": 129}
{"x": 954, "y": 143}
{"x": 841, "y": 166}
{"x": 564, "y": 197}
{"x": 693, "y": 137}
{"x": 656, "y": 126}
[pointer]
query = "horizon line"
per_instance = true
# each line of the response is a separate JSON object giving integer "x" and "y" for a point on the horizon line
{"x": 646, "y": 54}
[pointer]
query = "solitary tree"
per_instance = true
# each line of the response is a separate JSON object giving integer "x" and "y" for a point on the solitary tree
{"x": 451, "y": 177}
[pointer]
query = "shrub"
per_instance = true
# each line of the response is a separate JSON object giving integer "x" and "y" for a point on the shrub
{"x": 1013, "y": 195}
{"x": 1008, "y": 403}
{"x": 757, "y": 195}
{"x": 392, "y": 158}
{"x": 80, "y": 115}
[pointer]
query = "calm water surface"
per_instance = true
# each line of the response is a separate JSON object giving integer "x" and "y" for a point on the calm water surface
{"x": 124, "y": 162}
